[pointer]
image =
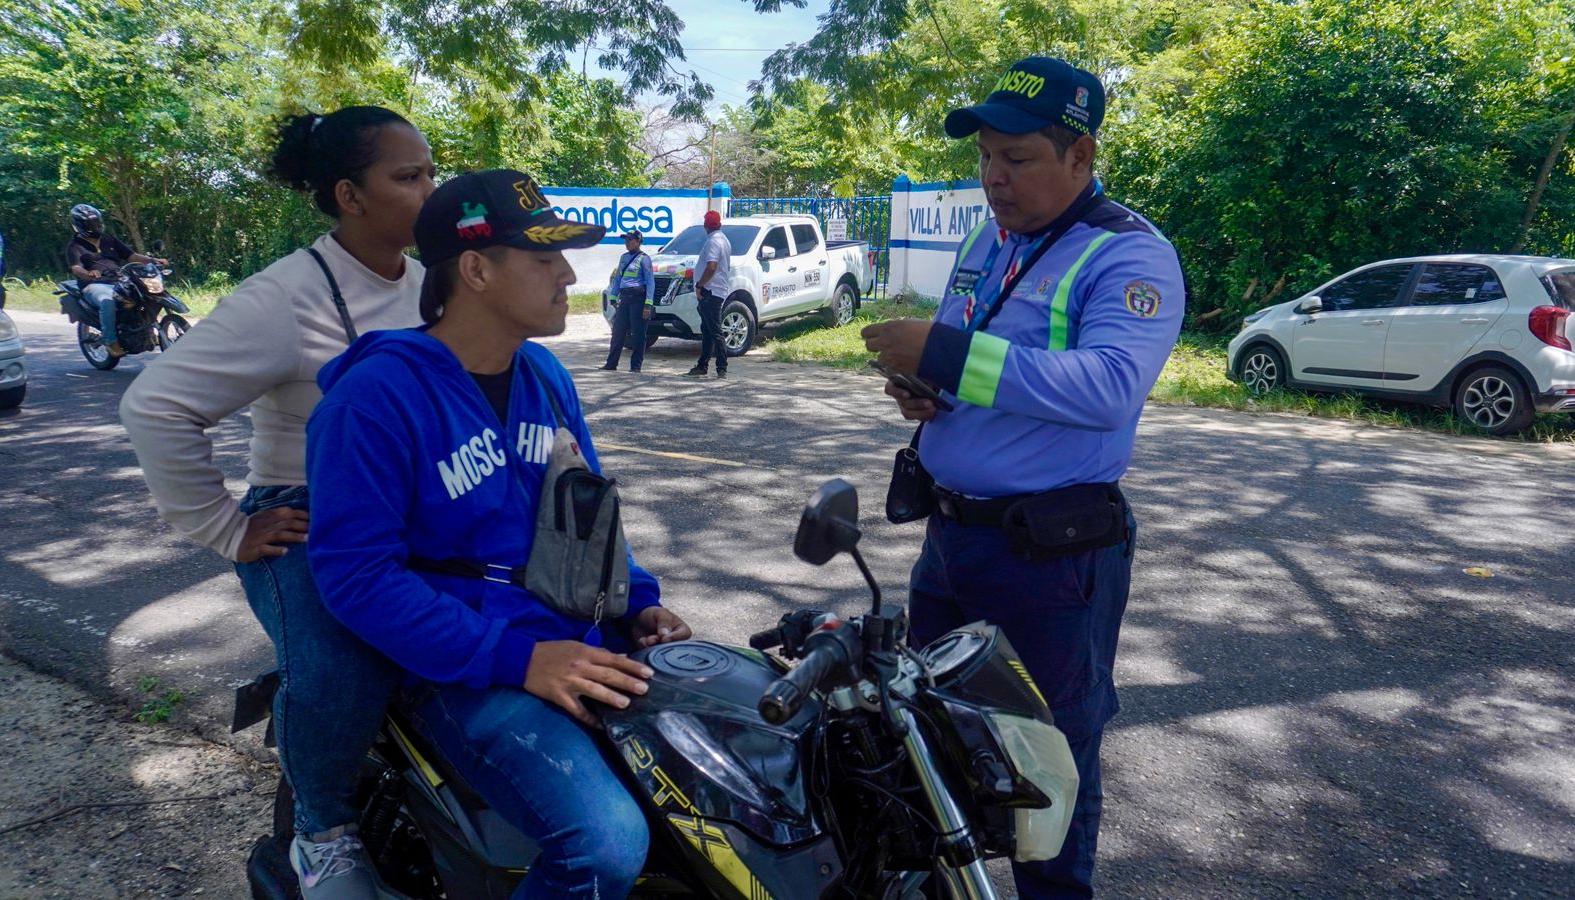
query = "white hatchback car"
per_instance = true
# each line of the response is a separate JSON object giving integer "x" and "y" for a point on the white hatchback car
{"x": 1489, "y": 335}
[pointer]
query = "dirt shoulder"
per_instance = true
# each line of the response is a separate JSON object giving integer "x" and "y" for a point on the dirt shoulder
{"x": 62, "y": 747}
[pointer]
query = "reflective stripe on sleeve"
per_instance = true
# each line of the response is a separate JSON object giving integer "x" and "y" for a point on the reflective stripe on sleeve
{"x": 981, "y": 375}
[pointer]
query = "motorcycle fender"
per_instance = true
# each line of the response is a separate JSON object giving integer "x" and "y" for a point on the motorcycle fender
{"x": 174, "y": 304}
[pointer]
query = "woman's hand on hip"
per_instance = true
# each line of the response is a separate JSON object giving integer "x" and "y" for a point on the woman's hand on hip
{"x": 271, "y": 532}
{"x": 562, "y": 672}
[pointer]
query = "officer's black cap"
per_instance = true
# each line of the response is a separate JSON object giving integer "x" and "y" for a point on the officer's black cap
{"x": 495, "y": 208}
{"x": 632, "y": 234}
{"x": 1035, "y": 93}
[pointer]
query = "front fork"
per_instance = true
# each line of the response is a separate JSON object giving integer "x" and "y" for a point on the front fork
{"x": 961, "y": 866}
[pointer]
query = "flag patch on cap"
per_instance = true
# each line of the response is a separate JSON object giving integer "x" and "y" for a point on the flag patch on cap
{"x": 473, "y": 225}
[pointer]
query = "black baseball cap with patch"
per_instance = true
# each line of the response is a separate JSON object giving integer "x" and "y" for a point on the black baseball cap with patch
{"x": 495, "y": 208}
{"x": 1035, "y": 93}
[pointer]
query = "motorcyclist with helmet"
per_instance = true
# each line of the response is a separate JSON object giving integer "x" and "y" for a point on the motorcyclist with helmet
{"x": 95, "y": 259}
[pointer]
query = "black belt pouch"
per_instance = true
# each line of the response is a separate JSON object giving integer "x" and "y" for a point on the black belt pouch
{"x": 910, "y": 496}
{"x": 1071, "y": 520}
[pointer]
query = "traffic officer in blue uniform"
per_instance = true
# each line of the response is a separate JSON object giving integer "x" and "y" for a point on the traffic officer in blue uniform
{"x": 634, "y": 283}
{"x": 1058, "y": 315}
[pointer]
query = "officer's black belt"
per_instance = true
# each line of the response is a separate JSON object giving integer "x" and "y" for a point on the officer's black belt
{"x": 1055, "y": 523}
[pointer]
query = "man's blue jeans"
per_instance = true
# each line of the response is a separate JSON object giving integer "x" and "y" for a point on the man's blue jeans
{"x": 103, "y": 296}
{"x": 544, "y": 774}
{"x": 333, "y": 687}
{"x": 1063, "y": 617}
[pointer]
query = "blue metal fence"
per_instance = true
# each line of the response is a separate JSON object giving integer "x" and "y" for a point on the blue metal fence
{"x": 868, "y": 218}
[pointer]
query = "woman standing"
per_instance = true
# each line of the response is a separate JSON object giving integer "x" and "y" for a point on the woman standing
{"x": 369, "y": 170}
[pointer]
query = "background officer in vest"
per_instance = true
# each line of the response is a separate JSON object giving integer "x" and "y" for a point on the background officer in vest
{"x": 635, "y": 284}
{"x": 1059, "y": 314}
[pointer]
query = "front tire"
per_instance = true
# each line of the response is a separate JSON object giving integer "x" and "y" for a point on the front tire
{"x": 738, "y": 328}
{"x": 171, "y": 327}
{"x": 92, "y": 344}
{"x": 1495, "y": 400}
{"x": 11, "y": 397}
{"x": 844, "y": 304}
{"x": 1262, "y": 370}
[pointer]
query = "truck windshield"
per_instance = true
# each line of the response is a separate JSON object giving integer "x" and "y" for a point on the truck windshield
{"x": 688, "y": 241}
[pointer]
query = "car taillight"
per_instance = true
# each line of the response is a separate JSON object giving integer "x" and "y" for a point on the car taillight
{"x": 1547, "y": 323}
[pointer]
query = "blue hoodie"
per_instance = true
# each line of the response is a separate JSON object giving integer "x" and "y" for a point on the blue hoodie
{"x": 404, "y": 455}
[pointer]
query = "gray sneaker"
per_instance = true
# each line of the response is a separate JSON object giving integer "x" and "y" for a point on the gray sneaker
{"x": 337, "y": 869}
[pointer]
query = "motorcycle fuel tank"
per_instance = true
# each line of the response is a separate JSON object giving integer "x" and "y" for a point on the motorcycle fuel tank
{"x": 734, "y": 790}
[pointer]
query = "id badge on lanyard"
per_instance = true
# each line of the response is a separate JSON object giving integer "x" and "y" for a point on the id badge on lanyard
{"x": 980, "y": 303}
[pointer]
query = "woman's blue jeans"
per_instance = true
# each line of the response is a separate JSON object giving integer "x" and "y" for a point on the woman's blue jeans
{"x": 333, "y": 687}
{"x": 545, "y": 774}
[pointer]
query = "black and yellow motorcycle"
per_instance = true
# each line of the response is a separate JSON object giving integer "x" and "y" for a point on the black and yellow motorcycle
{"x": 869, "y": 769}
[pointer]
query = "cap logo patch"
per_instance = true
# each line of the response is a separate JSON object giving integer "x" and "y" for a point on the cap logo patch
{"x": 531, "y": 197}
{"x": 1081, "y": 97}
{"x": 1142, "y": 299}
{"x": 551, "y": 234}
{"x": 473, "y": 225}
{"x": 1020, "y": 82}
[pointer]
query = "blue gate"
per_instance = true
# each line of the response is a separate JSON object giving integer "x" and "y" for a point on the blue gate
{"x": 868, "y": 218}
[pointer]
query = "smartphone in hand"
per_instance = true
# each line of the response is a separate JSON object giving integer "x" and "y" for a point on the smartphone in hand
{"x": 912, "y": 385}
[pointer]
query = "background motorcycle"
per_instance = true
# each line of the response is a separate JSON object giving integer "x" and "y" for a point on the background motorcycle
{"x": 147, "y": 315}
{"x": 867, "y": 770}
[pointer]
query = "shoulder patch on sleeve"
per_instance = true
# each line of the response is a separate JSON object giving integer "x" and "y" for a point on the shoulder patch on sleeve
{"x": 1142, "y": 299}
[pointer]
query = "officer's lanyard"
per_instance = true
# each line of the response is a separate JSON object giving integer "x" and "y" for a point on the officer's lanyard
{"x": 986, "y": 304}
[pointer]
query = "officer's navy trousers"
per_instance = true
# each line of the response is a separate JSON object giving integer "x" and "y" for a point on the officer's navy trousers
{"x": 628, "y": 328}
{"x": 1063, "y": 617}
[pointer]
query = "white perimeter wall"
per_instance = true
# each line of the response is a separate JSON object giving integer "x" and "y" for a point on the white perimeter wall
{"x": 928, "y": 223}
{"x": 656, "y": 213}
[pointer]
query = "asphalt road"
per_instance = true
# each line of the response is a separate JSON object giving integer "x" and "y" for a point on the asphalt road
{"x": 1318, "y": 699}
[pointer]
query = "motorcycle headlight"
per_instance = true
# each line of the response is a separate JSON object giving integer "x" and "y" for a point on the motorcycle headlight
{"x": 1040, "y": 754}
{"x": 153, "y": 284}
{"x": 8, "y": 330}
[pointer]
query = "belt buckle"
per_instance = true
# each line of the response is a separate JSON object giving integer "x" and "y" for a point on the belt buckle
{"x": 507, "y": 574}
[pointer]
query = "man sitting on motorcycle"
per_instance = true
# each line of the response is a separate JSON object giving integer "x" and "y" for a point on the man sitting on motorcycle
{"x": 95, "y": 259}
{"x": 427, "y": 457}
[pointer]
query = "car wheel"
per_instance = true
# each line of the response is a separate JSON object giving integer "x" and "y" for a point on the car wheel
{"x": 844, "y": 303}
{"x": 171, "y": 329}
{"x": 11, "y": 397}
{"x": 1262, "y": 369}
{"x": 650, "y": 340}
{"x": 1494, "y": 399}
{"x": 738, "y": 328}
{"x": 92, "y": 344}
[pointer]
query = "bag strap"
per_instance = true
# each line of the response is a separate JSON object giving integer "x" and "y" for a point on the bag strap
{"x": 339, "y": 300}
{"x": 552, "y": 399}
{"x": 1049, "y": 240}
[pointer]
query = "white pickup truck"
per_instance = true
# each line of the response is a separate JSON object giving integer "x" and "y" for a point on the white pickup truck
{"x": 782, "y": 266}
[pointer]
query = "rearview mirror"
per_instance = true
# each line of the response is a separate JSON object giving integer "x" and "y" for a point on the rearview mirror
{"x": 768, "y": 253}
{"x": 1310, "y": 305}
{"x": 830, "y": 524}
{"x": 158, "y": 245}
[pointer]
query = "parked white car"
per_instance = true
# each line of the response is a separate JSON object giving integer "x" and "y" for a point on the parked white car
{"x": 1489, "y": 335}
{"x": 782, "y": 266}
{"x": 13, "y": 367}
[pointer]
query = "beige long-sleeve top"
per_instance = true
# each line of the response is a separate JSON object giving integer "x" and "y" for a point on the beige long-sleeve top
{"x": 262, "y": 346}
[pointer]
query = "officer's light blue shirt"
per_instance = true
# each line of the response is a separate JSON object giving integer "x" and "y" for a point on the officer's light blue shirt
{"x": 1049, "y": 394}
{"x": 634, "y": 271}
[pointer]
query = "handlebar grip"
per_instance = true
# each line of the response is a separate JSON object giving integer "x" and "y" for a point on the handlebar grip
{"x": 783, "y": 699}
{"x": 766, "y": 640}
